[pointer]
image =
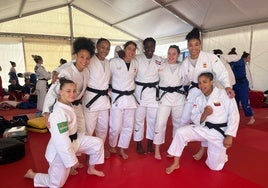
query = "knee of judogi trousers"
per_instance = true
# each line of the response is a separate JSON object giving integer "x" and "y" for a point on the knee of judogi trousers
{"x": 127, "y": 128}
{"x": 116, "y": 123}
{"x": 140, "y": 114}
{"x": 161, "y": 124}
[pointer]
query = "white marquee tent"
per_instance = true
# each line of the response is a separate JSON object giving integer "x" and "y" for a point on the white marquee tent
{"x": 48, "y": 27}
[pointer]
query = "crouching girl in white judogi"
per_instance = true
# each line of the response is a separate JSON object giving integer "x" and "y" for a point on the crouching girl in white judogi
{"x": 65, "y": 142}
{"x": 216, "y": 120}
{"x": 172, "y": 78}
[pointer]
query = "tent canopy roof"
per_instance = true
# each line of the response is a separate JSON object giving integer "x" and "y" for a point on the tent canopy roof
{"x": 156, "y": 18}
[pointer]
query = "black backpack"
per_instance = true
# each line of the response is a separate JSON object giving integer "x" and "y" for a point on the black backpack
{"x": 4, "y": 124}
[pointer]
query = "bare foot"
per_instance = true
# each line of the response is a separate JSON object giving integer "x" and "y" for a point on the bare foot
{"x": 157, "y": 155}
{"x": 112, "y": 150}
{"x": 123, "y": 154}
{"x": 199, "y": 154}
{"x": 92, "y": 171}
{"x": 30, "y": 174}
{"x": 171, "y": 168}
{"x": 73, "y": 171}
{"x": 251, "y": 121}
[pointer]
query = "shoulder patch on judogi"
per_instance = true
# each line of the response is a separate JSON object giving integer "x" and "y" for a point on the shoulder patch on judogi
{"x": 63, "y": 127}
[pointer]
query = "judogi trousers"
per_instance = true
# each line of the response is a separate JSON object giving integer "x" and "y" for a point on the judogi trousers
{"x": 187, "y": 110}
{"x": 216, "y": 151}
{"x": 97, "y": 121}
{"x": 161, "y": 123}
{"x": 121, "y": 126}
{"x": 41, "y": 91}
{"x": 141, "y": 113}
{"x": 58, "y": 173}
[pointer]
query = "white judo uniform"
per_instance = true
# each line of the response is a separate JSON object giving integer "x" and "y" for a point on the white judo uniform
{"x": 172, "y": 79}
{"x": 96, "y": 102}
{"x": 41, "y": 86}
{"x": 206, "y": 62}
{"x": 147, "y": 79}
{"x": 61, "y": 150}
{"x": 224, "y": 111}
{"x": 80, "y": 79}
{"x": 123, "y": 107}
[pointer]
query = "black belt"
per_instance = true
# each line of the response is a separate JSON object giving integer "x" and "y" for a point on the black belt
{"x": 171, "y": 90}
{"x": 77, "y": 102}
{"x": 122, "y": 93}
{"x": 43, "y": 79}
{"x": 149, "y": 85}
{"x": 216, "y": 127}
{"x": 99, "y": 94}
{"x": 73, "y": 137}
{"x": 193, "y": 84}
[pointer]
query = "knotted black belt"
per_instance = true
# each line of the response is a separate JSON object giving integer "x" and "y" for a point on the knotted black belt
{"x": 171, "y": 90}
{"x": 99, "y": 94}
{"x": 122, "y": 93}
{"x": 77, "y": 102}
{"x": 149, "y": 85}
{"x": 216, "y": 127}
{"x": 73, "y": 137}
{"x": 193, "y": 84}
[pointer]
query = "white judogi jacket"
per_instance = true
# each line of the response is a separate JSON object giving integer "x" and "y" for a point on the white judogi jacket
{"x": 71, "y": 73}
{"x": 147, "y": 73}
{"x": 62, "y": 125}
{"x": 41, "y": 72}
{"x": 99, "y": 78}
{"x": 123, "y": 80}
{"x": 224, "y": 110}
{"x": 175, "y": 79}
{"x": 207, "y": 62}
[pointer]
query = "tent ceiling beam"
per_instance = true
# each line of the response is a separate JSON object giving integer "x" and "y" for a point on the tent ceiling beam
{"x": 107, "y": 23}
{"x": 32, "y": 13}
{"x": 22, "y": 7}
{"x": 254, "y": 22}
{"x": 168, "y": 7}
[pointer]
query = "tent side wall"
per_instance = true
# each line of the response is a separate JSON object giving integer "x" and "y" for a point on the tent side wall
{"x": 251, "y": 39}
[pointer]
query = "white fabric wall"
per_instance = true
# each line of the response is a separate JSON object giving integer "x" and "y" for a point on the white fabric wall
{"x": 252, "y": 39}
{"x": 11, "y": 50}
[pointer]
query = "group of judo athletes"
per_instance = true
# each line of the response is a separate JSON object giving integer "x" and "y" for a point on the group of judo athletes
{"x": 128, "y": 68}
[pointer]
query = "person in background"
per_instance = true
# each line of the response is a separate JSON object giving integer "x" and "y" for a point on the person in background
{"x": 224, "y": 59}
{"x": 172, "y": 96}
{"x": 15, "y": 91}
{"x": 13, "y": 73}
{"x": 1, "y": 86}
{"x": 65, "y": 142}
{"x": 28, "y": 87}
{"x": 62, "y": 61}
{"x": 216, "y": 120}
{"x": 118, "y": 52}
{"x": 146, "y": 93}
{"x": 122, "y": 112}
{"x": 241, "y": 87}
{"x": 41, "y": 86}
{"x": 246, "y": 57}
{"x": 96, "y": 102}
